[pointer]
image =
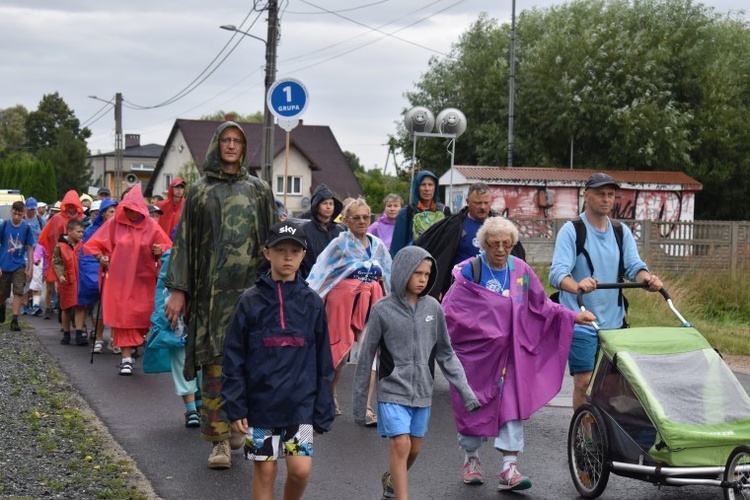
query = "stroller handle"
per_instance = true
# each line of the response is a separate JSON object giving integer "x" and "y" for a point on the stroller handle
{"x": 640, "y": 284}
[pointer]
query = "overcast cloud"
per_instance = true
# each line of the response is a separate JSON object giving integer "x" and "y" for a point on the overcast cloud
{"x": 151, "y": 50}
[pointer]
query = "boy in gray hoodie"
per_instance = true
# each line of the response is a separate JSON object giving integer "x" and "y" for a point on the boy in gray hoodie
{"x": 409, "y": 328}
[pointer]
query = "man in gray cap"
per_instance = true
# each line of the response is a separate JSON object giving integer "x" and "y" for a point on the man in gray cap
{"x": 589, "y": 249}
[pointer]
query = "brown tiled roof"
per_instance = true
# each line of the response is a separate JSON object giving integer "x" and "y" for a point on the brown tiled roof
{"x": 315, "y": 142}
{"x": 566, "y": 176}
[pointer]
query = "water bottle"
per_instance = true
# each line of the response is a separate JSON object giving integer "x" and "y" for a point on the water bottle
{"x": 180, "y": 330}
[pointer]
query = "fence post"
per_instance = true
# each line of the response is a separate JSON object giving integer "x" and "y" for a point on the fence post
{"x": 646, "y": 238}
{"x": 734, "y": 247}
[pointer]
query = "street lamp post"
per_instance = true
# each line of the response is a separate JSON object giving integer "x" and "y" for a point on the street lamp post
{"x": 118, "y": 142}
{"x": 451, "y": 123}
{"x": 266, "y": 153}
{"x": 512, "y": 83}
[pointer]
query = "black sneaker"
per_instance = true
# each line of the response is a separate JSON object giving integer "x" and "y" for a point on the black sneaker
{"x": 14, "y": 326}
{"x": 66, "y": 338}
{"x": 2, "y": 313}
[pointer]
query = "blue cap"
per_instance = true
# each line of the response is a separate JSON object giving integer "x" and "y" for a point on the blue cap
{"x": 31, "y": 203}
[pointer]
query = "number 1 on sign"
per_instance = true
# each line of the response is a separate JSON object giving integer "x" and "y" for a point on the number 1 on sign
{"x": 288, "y": 91}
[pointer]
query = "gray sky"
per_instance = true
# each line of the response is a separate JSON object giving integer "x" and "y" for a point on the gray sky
{"x": 150, "y": 51}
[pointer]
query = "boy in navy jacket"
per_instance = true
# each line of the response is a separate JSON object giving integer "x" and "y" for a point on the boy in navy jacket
{"x": 277, "y": 368}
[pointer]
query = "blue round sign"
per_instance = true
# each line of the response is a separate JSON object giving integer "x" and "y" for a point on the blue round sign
{"x": 287, "y": 98}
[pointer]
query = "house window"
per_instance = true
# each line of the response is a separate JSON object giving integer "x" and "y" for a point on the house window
{"x": 168, "y": 179}
{"x": 293, "y": 185}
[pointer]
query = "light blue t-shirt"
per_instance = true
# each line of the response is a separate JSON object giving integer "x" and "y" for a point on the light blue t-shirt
{"x": 605, "y": 257}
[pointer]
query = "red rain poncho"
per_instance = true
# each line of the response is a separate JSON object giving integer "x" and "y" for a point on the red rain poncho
{"x": 128, "y": 290}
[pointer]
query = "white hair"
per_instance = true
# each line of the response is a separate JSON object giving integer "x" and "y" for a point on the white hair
{"x": 353, "y": 205}
{"x": 496, "y": 225}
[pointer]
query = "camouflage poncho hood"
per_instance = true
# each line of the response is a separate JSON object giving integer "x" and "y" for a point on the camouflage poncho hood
{"x": 212, "y": 163}
{"x": 217, "y": 248}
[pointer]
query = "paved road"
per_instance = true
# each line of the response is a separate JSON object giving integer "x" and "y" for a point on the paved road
{"x": 145, "y": 417}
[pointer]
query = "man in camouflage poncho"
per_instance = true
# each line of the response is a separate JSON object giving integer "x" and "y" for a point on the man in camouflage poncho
{"x": 216, "y": 251}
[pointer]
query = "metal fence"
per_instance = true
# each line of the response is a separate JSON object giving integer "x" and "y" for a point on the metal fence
{"x": 675, "y": 246}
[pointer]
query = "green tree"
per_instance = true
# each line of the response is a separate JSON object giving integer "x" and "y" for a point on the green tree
{"x": 54, "y": 135}
{"x": 221, "y": 115}
{"x": 188, "y": 172}
{"x": 377, "y": 186}
{"x": 354, "y": 162}
{"x": 640, "y": 85}
{"x": 32, "y": 177}
{"x": 12, "y": 129}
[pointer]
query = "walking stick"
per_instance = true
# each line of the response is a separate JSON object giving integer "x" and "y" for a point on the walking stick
{"x": 98, "y": 310}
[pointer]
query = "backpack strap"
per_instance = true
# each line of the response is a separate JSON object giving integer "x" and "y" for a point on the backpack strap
{"x": 580, "y": 228}
{"x": 476, "y": 269}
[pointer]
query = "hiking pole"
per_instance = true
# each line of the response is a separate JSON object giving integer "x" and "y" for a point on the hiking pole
{"x": 96, "y": 319}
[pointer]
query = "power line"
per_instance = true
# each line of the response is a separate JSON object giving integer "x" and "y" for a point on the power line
{"x": 308, "y": 54}
{"x": 198, "y": 80}
{"x": 392, "y": 34}
{"x": 335, "y": 56}
{"x": 89, "y": 121}
{"x": 341, "y": 10}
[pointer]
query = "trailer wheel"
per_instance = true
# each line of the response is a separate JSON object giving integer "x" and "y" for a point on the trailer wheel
{"x": 588, "y": 451}
{"x": 737, "y": 474}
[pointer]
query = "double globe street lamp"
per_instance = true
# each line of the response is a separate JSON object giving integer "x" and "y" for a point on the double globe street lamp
{"x": 420, "y": 122}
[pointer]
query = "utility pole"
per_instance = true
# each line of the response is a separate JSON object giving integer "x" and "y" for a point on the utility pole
{"x": 512, "y": 83}
{"x": 266, "y": 157}
{"x": 118, "y": 145}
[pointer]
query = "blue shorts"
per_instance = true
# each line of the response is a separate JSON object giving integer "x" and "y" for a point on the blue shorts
{"x": 395, "y": 419}
{"x": 582, "y": 354}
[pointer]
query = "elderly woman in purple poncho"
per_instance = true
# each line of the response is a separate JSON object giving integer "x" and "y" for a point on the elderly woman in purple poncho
{"x": 513, "y": 343}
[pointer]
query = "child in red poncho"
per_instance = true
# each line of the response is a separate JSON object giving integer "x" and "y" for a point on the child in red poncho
{"x": 65, "y": 265}
{"x": 128, "y": 247}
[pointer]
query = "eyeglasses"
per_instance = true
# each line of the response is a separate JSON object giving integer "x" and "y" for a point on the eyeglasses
{"x": 230, "y": 140}
{"x": 362, "y": 218}
{"x": 495, "y": 245}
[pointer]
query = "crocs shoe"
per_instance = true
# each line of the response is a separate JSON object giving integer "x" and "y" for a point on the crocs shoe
{"x": 512, "y": 480}
{"x": 387, "y": 483}
{"x": 473, "y": 471}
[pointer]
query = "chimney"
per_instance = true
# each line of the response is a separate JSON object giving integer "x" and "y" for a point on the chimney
{"x": 132, "y": 140}
{"x": 230, "y": 117}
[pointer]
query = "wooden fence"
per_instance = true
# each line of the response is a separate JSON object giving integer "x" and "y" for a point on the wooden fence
{"x": 675, "y": 246}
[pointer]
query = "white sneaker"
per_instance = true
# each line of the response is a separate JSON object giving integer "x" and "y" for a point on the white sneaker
{"x": 114, "y": 349}
{"x": 98, "y": 345}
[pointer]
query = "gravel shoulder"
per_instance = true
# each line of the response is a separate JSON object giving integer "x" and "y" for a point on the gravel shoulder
{"x": 53, "y": 444}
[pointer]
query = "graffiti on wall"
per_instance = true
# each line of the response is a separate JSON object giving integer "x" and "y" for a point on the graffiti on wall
{"x": 534, "y": 202}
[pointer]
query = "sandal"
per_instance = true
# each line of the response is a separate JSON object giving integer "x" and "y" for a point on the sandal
{"x": 371, "y": 418}
{"x": 337, "y": 408}
{"x": 192, "y": 419}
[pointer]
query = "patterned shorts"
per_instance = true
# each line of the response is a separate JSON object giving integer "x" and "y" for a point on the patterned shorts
{"x": 263, "y": 444}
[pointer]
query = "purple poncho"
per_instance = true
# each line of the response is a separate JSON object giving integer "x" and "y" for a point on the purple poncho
{"x": 516, "y": 372}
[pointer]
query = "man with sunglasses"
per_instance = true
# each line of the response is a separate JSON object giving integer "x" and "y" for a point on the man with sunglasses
{"x": 217, "y": 248}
